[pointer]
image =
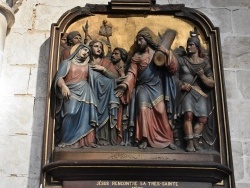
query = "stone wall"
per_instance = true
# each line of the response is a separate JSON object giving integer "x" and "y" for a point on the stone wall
{"x": 23, "y": 79}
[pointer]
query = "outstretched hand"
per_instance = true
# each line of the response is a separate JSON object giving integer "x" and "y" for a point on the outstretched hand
{"x": 121, "y": 88}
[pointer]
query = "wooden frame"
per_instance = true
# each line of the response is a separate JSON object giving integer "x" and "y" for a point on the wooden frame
{"x": 152, "y": 165}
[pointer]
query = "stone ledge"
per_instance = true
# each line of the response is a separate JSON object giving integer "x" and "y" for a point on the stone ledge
{"x": 133, "y": 164}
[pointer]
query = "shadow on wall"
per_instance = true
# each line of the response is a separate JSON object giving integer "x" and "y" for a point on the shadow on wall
{"x": 38, "y": 116}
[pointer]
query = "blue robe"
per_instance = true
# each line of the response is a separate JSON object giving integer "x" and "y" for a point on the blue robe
{"x": 92, "y": 104}
{"x": 78, "y": 116}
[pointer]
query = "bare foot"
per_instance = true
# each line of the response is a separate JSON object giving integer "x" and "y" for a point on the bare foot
{"x": 103, "y": 143}
{"x": 122, "y": 143}
{"x": 143, "y": 145}
{"x": 75, "y": 145}
{"x": 172, "y": 146}
{"x": 197, "y": 145}
{"x": 92, "y": 145}
{"x": 190, "y": 146}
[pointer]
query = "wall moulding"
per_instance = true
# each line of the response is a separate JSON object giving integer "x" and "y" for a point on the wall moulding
{"x": 119, "y": 27}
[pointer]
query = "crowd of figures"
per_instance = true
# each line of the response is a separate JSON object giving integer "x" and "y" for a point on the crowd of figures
{"x": 131, "y": 101}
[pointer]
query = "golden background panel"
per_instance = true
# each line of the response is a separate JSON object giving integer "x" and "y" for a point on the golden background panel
{"x": 124, "y": 29}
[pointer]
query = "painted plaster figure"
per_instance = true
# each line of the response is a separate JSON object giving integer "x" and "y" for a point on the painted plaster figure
{"x": 104, "y": 86}
{"x": 73, "y": 38}
{"x": 125, "y": 124}
{"x": 76, "y": 113}
{"x": 194, "y": 78}
{"x": 152, "y": 126}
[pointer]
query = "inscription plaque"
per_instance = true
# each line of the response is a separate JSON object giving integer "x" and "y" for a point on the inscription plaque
{"x": 135, "y": 184}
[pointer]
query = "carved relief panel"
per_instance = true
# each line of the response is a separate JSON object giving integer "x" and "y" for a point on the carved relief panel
{"x": 136, "y": 94}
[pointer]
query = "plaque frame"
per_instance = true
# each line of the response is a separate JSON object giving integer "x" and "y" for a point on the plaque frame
{"x": 70, "y": 165}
